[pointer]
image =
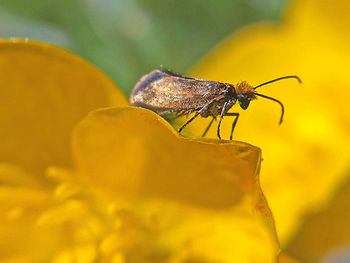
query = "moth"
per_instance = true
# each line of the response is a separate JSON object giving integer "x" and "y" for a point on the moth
{"x": 165, "y": 92}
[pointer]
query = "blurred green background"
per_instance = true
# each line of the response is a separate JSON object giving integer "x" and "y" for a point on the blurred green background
{"x": 128, "y": 38}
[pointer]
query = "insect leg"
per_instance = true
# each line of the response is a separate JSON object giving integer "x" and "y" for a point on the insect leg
{"x": 208, "y": 127}
{"x": 221, "y": 116}
{"x": 190, "y": 120}
{"x": 234, "y": 122}
{"x": 195, "y": 116}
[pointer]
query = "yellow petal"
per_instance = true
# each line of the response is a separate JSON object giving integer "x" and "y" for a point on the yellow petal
{"x": 141, "y": 140}
{"x": 304, "y": 158}
{"x": 45, "y": 91}
{"x": 326, "y": 16}
{"x": 37, "y": 227}
{"x": 283, "y": 258}
{"x": 185, "y": 200}
{"x": 325, "y": 234}
{"x": 21, "y": 202}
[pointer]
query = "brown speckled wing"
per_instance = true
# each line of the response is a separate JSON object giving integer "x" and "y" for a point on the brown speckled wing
{"x": 164, "y": 92}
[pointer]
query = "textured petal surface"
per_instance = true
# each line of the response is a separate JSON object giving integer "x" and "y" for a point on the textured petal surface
{"x": 22, "y": 199}
{"x": 135, "y": 191}
{"x": 203, "y": 197}
{"x": 44, "y": 92}
{"x": 306, "y": 158}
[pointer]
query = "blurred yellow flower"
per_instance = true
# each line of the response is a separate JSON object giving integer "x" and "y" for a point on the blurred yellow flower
{"x": 86, "y": 178}
{"x": 306, "y": 159}
{"x": 119, "y": 185}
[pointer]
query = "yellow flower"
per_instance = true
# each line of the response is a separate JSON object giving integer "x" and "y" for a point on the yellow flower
{"x": 84, "y": 182}
{"x": 306, "y": 159}
{"x": 86, "y": 178}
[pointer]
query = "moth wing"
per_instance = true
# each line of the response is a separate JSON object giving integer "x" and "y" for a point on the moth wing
{"x": 164, "y": 93}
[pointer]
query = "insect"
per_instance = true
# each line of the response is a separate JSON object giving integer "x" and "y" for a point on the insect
{"x": 165, "y": 92}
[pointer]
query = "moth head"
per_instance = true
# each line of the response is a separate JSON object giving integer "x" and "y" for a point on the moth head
{"x": 245, "y": 94}
{"x": 244, "y": 99}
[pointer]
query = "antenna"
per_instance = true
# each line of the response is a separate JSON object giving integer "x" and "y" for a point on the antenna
{"x": 270, "y": 98}
{"x": 286, "y": 77}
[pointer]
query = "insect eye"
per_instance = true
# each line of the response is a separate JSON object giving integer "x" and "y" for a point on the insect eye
{"x": 243, "y": 100}
{"x": 244, "y": 103}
